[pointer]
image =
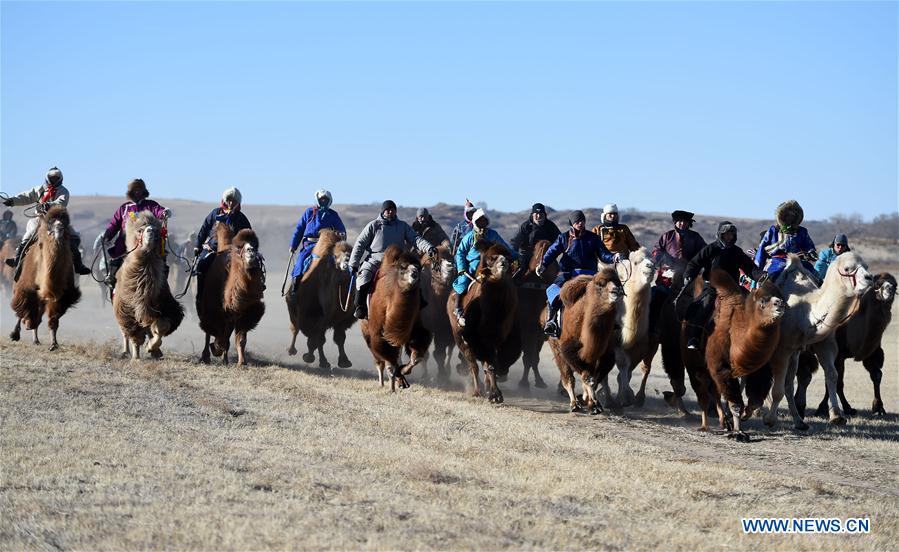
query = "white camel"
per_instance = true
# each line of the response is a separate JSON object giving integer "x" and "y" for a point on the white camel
{"x": 632, "y": 319}
{"x": 812, "y": 317}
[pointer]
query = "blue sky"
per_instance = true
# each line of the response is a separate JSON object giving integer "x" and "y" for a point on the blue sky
{"x": 716, "y": 107}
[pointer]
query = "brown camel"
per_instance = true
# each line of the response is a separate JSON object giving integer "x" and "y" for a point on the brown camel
{"x": 8, "y": 273}
{"x": 142, "y": 301}
{"x": 742, "y": 336}
{"x": 47, "y": 282}
{"x": 232, "y": 300}
{"x": 394, "y": 317}
{"x": 320, "y": 301}
{"x": 490, "y": 334}
{"x": 531, "y": 312}
{"x": 437, "y": 277}
{"x": 586, "y": 346}
{"x": 860, "y": 340}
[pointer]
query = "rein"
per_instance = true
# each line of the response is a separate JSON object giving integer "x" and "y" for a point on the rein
{"x": 190, "y": 272}
{"x": 345, "y": 305}
{"x": 287, "y": 272}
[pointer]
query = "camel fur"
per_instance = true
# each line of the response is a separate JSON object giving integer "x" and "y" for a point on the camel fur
{"x": 586, "y": 346}
{"x": 394, "y": 317}
{"x": 490, "y": 335}
{"x": 317, "y": 303}
{"x": 232, "y": 300}
{"x": 532, "y": 313}
{"x": 47, "y": 281}
{"x": 632, "y": 320}
{"x": 437, "y": 278}
{"x": 142, "y": 301}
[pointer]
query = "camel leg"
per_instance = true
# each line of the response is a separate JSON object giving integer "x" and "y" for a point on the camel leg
{"x": 380, "y": 366}
{"x": 135, "y": 349}
{"x": 157, "y": 330}
{"x": 440, "y": 354}
{"x": 205, "y": 357}
{"x": 34, "y": 338}
{"x": 625, "y": 393}
{"x": 53, "y": 343}
{"x": 803, "y": 380}
{"x": 840, "y": 365}
{"x": 874, "y": 365}
{"x": 343, "y": 361}
{"x": 734, "y": 395}
{"x": 790, "y": 378}
{"x": 567, "y": 381}
{"x": 640, "y": 397}
{"x": 826, "y": 352}
{"x": 292, "y": 348}
{"x": 16, "y": 333}
{"x": 494, "y": 395}
{"x": 780, "y": 364}
{"x": 594, "y": 407}
{"x": 240, "y": 343}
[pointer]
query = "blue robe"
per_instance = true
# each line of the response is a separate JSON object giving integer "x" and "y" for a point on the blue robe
{"x": 468, "y": 257}
{"x": 771, "y": 255}
{"x": 306, "y": 234}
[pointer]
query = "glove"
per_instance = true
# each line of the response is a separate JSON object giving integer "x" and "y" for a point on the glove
{"x": 196, "y": 251}
{"x": 41, "y": 208}
{"x": 616, "y": 258}
{"x": 167, "y": 213}
{"x": 354, "y": 270}
{"x": 8, "y": 202}
{"x": 540, "y": 270}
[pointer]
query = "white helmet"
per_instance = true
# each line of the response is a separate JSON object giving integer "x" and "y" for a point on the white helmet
{"x": 53, "y": 176}
{"x": 231, "y": 192}
{"x": 323, "y": 194}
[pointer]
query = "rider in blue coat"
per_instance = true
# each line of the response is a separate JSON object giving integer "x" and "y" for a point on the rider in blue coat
{"x": 580, "y": 250}
{"x": 785, "y": 237}
{"x": 313, "y": 221}
{"x": 468, "y": 257}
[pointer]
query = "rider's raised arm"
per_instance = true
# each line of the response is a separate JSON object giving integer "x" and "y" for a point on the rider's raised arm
{"x": 28, "y": 196}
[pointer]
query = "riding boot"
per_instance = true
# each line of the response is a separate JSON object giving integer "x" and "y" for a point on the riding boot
{"x": 76, "y": 258}
{"x": 460, "y": 316}
{"x": 553, "y": 328}
{"x": 14, "y": 262}
{"x": 360, "y": 306}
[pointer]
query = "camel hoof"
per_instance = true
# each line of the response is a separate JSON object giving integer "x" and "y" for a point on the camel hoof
{"x": 539, "y": 383}
{"x": 800, "y": 426}
{"x": 561, "y": 389}
{"x": 308, "y": 358}
{"x": 36, "y": 341}
{"x": 837, "y": 421}
{"x": 877, "y": 408}
{"x": 291, "y": 351}
{"x": 821, "y": 412}
{"x": 205, "y": 358}
{"x": 324, "y": 365}
{"x": 344, "y": 363}
{"x": 523, "y": 384}
{"x": 850, "y": 411}
{"x": 739, "y": 437}
{"x": 640, "y": 399}
{"x": 597, "y": 409}
{"x": 576, "y": 408}
{"x": 156, "y": 355}
{"x": 703, "y": 428}
{"x": 15, "y": 336}
{"x": 54, "y": 347}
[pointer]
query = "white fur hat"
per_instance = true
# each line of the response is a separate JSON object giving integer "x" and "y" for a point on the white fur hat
{"x": 231, "y": 192}
{"x": 477, "y": 216}
{"x": 323, "y": 193}
{"x": 609, "y": 208}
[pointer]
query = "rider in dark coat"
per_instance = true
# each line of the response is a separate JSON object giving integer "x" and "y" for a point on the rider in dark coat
{"x": 536, "y": 228}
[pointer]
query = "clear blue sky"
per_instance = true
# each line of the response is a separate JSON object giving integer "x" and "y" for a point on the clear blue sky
{"x": 714, "y": 107}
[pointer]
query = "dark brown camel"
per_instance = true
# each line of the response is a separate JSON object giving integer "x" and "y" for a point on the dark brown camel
{"x": 860, "y": 340}
{"x": 437, "y": 278}
{"x": 490, "y": 335}
{"x": 8, "y": 273}
{"x": 317, "y": 304}
{"x": 531, "y": 307}
{"x": 47, "y": 282}
{"x": 586, "y": 346}
{"x": 394, "y": 317}
{"x": 232, "y": 300}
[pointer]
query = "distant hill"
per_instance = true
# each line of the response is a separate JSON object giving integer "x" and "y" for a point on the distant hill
{"x": 877, "y": 241}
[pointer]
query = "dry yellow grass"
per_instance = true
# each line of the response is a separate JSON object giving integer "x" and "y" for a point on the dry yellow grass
{"x": 100, "y": 453}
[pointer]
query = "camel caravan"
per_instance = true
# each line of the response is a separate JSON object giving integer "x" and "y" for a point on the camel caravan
{"x": 741, "y": 327}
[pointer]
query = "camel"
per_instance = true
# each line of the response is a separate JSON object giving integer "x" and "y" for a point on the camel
{"x": 860, "y": 340}
{"x": 8, "y": 273}
{"x": 319, "y": 301}
{"x": 812, "y": 318}
{"x": 437, "y": 277}
{"x": 394, "y": 317}
{"x": 47, "y": 281}
{"x": 232, "y": 300}
{"x": 142, "y": 301}
{"x": 632, "y": 320}
{"x": 742, "y": 336}
{"x": 586, "y": 346}
{"x": 531, "y": 311}
{"x": 490, "y": 335}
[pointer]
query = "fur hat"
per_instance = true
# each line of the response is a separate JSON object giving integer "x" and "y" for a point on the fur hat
{"x": 576, "y": 216}
{"x": 682, "y": 215}
{"x": 323, "y": 194}
{"x": 422, "y": 212}
{"x": 724, "y": 227}
{"x": 538, "y": 208}
{"x": 609, "y": 208}
{"x": 388, "y": 204}
{"x": 135, "y": 186}
{"x": 478, "y": 215}
{"x": 232, "y": 192}
{"x": 789, "y": 213}
{"x": 53, "y": 177}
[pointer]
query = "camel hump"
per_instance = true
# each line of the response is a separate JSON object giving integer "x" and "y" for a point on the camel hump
{"x": 723, "y": 283}
{"x": 224, "y": 235}
{"x": 574, "y": 289}
{"x": 327, "y": 239}
{"x": 246, "y": 236}
{"x": 392, "y": 255}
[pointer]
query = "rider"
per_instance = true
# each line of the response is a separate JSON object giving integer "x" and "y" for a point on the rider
{"x": 838, "y": 246}
{"x": 783, "y": 238}
{"x": 617, "y": 237}
{"x": 8, "y": 228}
{"x": 228, "y": 212}
{"x": 137, "y": 195}
{"x": 723, "y": 253}
{"x": 47, "y": 195}
{"x": 580, "y": 250}
{"x": 536, "y": 228}
{"x": 375, "y": 238}
{"x": 675, "y": 247}
{"x": 463, "y": 227}
{"x": 313, "y": 221}
{"x": 468, "y": 256}
{"x": 428, "y": 228}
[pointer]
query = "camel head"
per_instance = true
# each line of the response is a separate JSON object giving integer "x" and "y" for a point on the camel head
{"x": 495, "y": 264}
{"x": 246, "y": 248}
{"x": 768, "y": 303}
{"x": 143, "y": 232}
{"x": 642, "y": 267}
{"x": 885, "y": 288}
{"x": 850, "y": 274}
{"x": 56, "y": 221}
{"x": 407, "y": 267}
{"x": 342, "y": 251}
{"x": 605, "y": 290}
{"x": 442, "y": 267}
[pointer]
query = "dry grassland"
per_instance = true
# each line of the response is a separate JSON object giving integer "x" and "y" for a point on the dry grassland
{"x": 101, "y": 453}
